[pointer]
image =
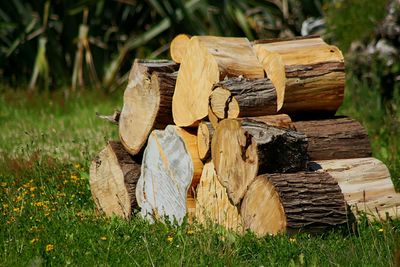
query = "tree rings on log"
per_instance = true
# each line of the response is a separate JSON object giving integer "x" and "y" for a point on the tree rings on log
{"x": 293, "y": 202}
{"x": 178, "y": 47}
{"x": 113, "y": 177}
{"x": 147, "y": 102}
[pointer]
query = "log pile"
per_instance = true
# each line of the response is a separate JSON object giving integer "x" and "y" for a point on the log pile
{"x": 241, "y": 134}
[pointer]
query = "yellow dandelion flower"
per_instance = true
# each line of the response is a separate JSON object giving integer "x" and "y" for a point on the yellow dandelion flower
{"x": 49, "y": 247}
{"x": 190, "y": 232}
{"x": 19, "y": 198}
{"x": 103, "y": 238}
{"x": 74, "y": 177}
{"x": 77, "y": 166}
{"x": 34, "y": 240}
{"x": 33, "y": 195}
{"x": 170, "y": 238}
{"x": 5, "y": 205}
{"x": 380, "y": 230}
{"x": 292, "y": 239}
{"x": 38, "y": 204}
{"x": 16, "y": 209}
{"x": 33, "y": 188}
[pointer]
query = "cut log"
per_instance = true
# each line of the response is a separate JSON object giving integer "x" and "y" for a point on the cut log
{"x": 170, "y": 165}
{"x": 178, "y": 47}
{"x": 113, "y": 177}
{"x": 293, "y": 202}
{"x": 212, "y": 202}
{"x": 208, "y": 60}
{"x": 147, "y": 102}
{"x": 366, "y": 185}
{"x": 205, "y": 131}
{"x": 241, "y": 150}
{"x": 241, "y": 97}
{"x": 308, "y": 74}
{"x": 339, "y": 138}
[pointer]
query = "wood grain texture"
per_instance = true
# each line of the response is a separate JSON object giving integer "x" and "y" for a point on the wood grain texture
{"x": 147, "y": 102}
{"x": 304, "y": 201}
{"x": 208, "y": 60}
{"x": 205, "y": 131}
{"x": 241, "y": 150}
{"x": 241, "y": 97}
{"x": 167, "y": 172}
{"x": 366, "y": 185}
{"x": 338, "y": 138}
{"x": 178, "y": 47}
{"x": 212, "y": 202}
{"x": 308, "y": 74}
{"x": 114, "y": 174}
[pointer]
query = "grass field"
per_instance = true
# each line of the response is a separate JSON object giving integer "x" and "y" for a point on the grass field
{"x": 48, "y": 216}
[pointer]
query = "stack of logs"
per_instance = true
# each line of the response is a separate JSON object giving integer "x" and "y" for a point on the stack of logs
{"x": 242, "y": 134}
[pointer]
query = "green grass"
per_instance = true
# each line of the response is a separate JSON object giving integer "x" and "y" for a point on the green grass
{"x": 47, "y": 216}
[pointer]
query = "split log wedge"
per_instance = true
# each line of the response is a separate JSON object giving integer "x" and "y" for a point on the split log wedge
{"x": 293, "y": 202}
{"x": 208, "y": 60}
{"x": 339, "y": 138}
{"x": 170, "y": 165}
{"x": 241, "y": 150}
{"x": 178, "y": 46}
{"x": 147, "y": 102}
{"x": 205, "y": 131}
{"x": 308, "y": 74}
{"x": 366, "y": 185}
{"x": 241, "y": 97}
{"x": 212, "y": 202}
{"x": 113, "y": 177}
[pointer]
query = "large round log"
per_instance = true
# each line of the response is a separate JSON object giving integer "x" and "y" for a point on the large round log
{"x": 147, "y": 102}
{"x": 212, "y": 202}
{"x": 178, "y": 47}
{"x": 366, "y": 185}
{"x": 113, "y": 177}
{"x": 208, "y": 60}
{"x": 241, "y": 150}
{"x": 338, "y": 138}
{"x": 308, "y": 74}
{"x": 293, "y": 202}
{"x": 170, "y": 165}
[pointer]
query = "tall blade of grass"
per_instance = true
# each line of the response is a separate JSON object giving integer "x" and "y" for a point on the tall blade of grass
{"x": 41, "y": 66}
{"x": 134, "y": 42}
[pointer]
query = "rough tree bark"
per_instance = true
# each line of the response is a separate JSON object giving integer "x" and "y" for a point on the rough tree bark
{"x": 338, "y": 138}
{"x": 304, "y": 201}
{"x": 113, "y": 177}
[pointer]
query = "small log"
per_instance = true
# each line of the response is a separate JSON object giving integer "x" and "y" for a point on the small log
{"x": 339, "y": 138}
{"x": 169, "y": 168}
{"x": 241, "y": 97}
{"x": 213, "y": 203}
{"x": 205, "y": 131}
{"x": 113, "y": 177}
{"x": 293, "y": 202}
{"x": 147, "y": 102}
{"x": 241, "y": 150}
{"x": 208, "y": 60}
{"x": 178, "y": 47}
{"x": 366, "y": 185}
{"x": 308, "y": 75}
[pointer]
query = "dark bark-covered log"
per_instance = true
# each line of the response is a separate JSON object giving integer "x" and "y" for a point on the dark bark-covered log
{"x": 147, "y": 102}
{"x": 170, "y": 166}
{"x": 114, "y": 174}
{"x": 293, "y": 202}
{"x": 366, "y": 185}
{"x": 241, "y": 97}
{"x": 339, "y": 138}
{"x": 307, "y": 73}
{"x": 239, "y": 153}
